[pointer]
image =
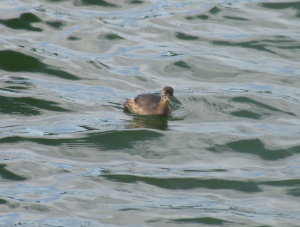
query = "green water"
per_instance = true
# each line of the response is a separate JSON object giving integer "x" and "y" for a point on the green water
{"x": 229, "y": 155}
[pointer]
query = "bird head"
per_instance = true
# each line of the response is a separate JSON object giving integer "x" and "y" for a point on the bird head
{"x": 167, "y": 94}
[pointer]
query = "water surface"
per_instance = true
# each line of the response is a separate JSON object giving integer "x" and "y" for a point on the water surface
{"x": 72, "y": 156}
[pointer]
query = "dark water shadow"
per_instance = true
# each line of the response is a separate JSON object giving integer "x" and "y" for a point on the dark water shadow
{"x": 17, "y": 84}
{"x": 3, "y": 201}
{"x": 182, "y": 36}
{"x": 73, "y": 38}
{"x": 280, "y": 42}
{"x": 15, "y": 89}
{"x": 281, "y": 5}
{"x": 135, "y": 2}
{"x": 293, "y": 186}
{"x": 152, "y": 122}
{"x": 14, "y": 61}
{"x": 18, "y": 80}
{"x": 38, "y": 207}
{"x": 195, "y": 70}
{"x": 110, "y": 37}
{"x": 56, "y": 24}
{"x": 247, "y": 114}
{"x": 27, "y": 106}
{"x": 255, "y": 147}
{"x": 56, "y": 1}
{"x": 187, "y": 183}
{"x": 259, "y": 44}
{"x": 204, "y": 220}
{"x": 285, "y": 42}
{"x": 182, "y": 64}
{"x": 8, "y": 175}
{"x": 282, "y": 183}
{"x": 23, "y": 22}
{"x": 294, "y": 191}
{"x": 204, "y": 170}
{"x": 201, "y": 17}
{"x": 101, "y": 3}
{"x": 214, "y": 10}
{"x": 235, "y": 18}
{"x": 265, "y": 109}
{"x": 253, "y": 44}
{"x": 124, "y": 140}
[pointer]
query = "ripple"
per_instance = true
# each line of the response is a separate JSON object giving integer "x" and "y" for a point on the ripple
{"x": 14, "y": 61}
{"x": 23, "y": 22}
{"x": 101, "y": 3}
{"x": 187, "y": 183}
{"x": 56, "y": 24}
{"x": 27, "y": 106}
{"x": 229, "y": 153}
{"x": 202, "y": 220}
{"x": 8, "y": 175}
{"x": 256, "y": 147}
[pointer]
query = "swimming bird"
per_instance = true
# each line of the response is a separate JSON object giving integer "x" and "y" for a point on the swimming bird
{"x": 149, "y": 104}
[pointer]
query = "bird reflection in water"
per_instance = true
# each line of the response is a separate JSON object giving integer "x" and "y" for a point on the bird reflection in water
{"x": 153, "y": 122}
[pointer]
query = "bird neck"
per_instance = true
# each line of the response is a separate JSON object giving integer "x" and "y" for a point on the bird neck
{"x": 163, "y": 105}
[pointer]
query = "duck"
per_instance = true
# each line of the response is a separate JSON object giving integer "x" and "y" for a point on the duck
{"x": 149, "y": 104}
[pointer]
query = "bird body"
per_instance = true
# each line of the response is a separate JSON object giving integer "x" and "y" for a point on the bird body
{"x": 149, "y": 104}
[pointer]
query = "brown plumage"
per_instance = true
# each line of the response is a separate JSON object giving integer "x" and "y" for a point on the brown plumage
{"x": 149, "y": 104}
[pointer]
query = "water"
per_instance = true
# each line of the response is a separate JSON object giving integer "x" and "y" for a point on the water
{"x": 71, "y": 156}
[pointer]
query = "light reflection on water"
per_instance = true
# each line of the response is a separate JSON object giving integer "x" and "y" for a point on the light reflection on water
{"x": 72, "y": 156}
